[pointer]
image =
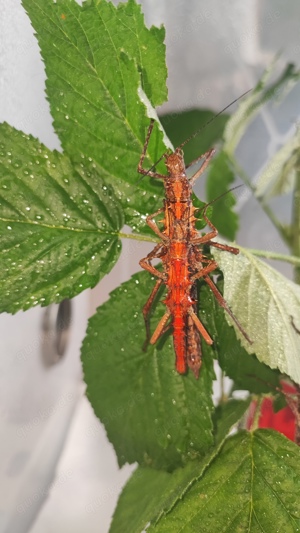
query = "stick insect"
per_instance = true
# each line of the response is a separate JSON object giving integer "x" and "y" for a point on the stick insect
{"x": 183, "y": 260}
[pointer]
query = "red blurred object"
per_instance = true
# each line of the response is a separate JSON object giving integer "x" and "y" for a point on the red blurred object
{"x": 282, "y": 421}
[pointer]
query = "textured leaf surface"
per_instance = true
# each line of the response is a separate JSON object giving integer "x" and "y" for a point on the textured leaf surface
{"x": 245, "y": 369}
{"x": 266, "y": 304}
{"x": 251, "y": 485}
{"x": 150, "y": 494}
{"x": 151, "y": 414}
{"x": 96, "y": 58}
{"x": 59, "y": 226}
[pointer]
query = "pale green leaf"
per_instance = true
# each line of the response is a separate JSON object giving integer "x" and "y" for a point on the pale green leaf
{"x": 251, "y": 104}
{"x": 59, "y": 226}
{"x": 278, "y": 177}
{"x": 247, "y": 372}
{"x": 267, "y": 305}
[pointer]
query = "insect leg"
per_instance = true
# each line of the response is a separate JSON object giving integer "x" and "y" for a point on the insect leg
{"x": 200, "y": 326}
{"x": 211, "y": 266}
{"x": 207, "y": 157}
{"x": 224, "y": 247}
{"x": 225, "y": 306}
{"x": 146, "y": 261}
{"x": 193, "y": 339}
{"x": 140, "y": 168}
{"x": 206, "y": 239}
{"x": 152, "y": 224}
{"x": 211, "y": 235}
{"x": 147, "y": 309}
{"x": 160, "y": 328}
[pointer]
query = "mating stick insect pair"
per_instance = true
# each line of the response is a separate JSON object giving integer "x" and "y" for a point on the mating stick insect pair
{"x": 183, "y": 260}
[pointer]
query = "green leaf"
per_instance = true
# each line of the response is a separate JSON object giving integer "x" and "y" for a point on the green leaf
{"x": 265, "y": 303}
{"x": 247, "y": 372}
{"x": 97, "y": 58}
{"x": 137, "y": 506}
{"x": 59, "y": 227}
{"x": 152, "y": 415}
{"x": 252, "y": 485}
{"x": 219, "y": 179}
{"x": 179, "y": 126}
{"x": 278, "y": 177}
{"x": 252, "y": 103}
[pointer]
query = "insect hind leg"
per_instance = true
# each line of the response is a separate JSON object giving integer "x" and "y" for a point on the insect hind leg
{"x": 147, "y": 309}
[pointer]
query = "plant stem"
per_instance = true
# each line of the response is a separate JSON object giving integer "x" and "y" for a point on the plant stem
{"x": 257, "y": 413}
{"x": 273, "y": 255}
{"x": 266, "y": 208}
{"x": 294, "y": 260}
{"x": 137, "y": 237}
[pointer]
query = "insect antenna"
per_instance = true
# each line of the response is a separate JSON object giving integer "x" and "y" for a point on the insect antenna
{"x": 212, "y": 119}
{"x": 218, "y": 198}
{"x": 193, "y": 134}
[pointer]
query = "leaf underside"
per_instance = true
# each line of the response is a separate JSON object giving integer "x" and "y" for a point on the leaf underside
{"x": 267, "y": 305}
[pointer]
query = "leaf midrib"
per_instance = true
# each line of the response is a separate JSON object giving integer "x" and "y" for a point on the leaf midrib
{"x": 64, "y": 228}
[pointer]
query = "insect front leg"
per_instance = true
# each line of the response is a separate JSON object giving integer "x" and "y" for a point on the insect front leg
{"x": 207, "y": 157}
{"x": 140, "y": 168}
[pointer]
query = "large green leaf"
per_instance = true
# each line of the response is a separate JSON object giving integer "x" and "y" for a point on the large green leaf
{"x": 252, "y": 485}
{"x": 97, "y": 58}
{"x": 278, "y": 177}
{"x": 151, "y": 414}
{"x": 137, "y": 506}
{"x": 268, "y": 307}
{"x": 59, "y": 227}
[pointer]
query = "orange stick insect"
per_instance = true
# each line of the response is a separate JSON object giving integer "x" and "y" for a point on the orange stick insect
{"x": 183, "y": 260}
